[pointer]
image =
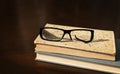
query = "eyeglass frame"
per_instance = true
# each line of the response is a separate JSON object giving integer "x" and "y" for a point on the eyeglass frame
{"x": 67, "y": 31}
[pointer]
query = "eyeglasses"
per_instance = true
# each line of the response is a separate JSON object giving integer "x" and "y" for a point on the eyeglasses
{"x": 57, "y": 34}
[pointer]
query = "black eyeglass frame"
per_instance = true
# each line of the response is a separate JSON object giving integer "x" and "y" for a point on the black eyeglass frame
{"x": 69, "y": 32}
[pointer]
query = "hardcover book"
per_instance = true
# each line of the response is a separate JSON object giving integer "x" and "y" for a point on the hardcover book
{"x": 82, "y": 62}
{"x": 101, "y": 47}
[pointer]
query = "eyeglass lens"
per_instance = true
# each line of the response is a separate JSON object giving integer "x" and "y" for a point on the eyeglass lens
{"x": 56, "y": 34}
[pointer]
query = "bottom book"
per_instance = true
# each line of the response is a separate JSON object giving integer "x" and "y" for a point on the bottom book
{"x": 42, "y": 56}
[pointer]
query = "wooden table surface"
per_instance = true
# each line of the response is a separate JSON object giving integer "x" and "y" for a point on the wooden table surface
{"x": 21, "y": 20}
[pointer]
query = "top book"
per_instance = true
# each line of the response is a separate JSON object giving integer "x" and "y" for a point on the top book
{"x": 103, "y": 40}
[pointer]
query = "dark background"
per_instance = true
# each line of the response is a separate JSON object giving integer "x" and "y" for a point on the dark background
{"x": 20, "y": 21}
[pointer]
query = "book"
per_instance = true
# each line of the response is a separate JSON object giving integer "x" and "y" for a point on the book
{"x": 93, "y": 60}
{"x": 75, "y": 62}
{"x": 102, "y": 46}
{"x": 82, "y": 62}
{"x": 73, "y": 52}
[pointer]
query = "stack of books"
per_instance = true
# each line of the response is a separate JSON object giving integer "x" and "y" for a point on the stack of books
{"x": 65, "y": 45}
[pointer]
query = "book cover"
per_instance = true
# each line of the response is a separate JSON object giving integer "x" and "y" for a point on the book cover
{"x": 73, "y": 52}
{"x": 77, "y": 63}
{"x": 103, "y": 41}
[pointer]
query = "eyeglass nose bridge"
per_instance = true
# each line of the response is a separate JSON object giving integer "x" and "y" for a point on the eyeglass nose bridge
{"x": 68, "y": 32}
